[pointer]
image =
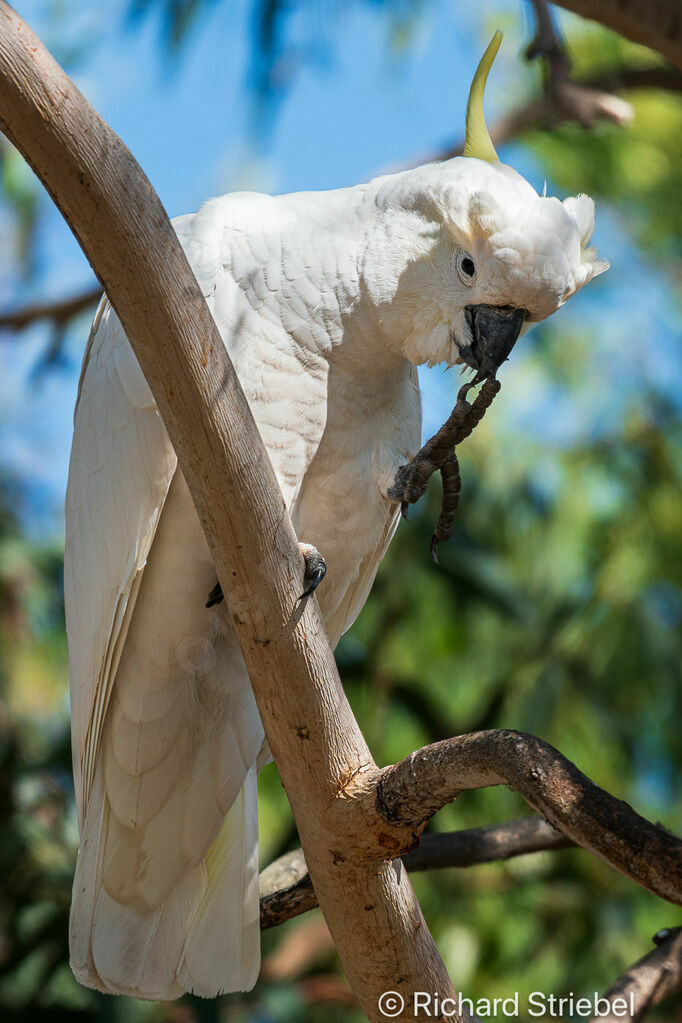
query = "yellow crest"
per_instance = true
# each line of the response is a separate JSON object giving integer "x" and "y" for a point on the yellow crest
{"x": 477, "y": 141}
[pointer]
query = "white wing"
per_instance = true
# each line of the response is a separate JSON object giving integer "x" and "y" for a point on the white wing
{"x": 160, "y": 751}
{"x": 166, "y": 734}
{"x": 121, "y": 467}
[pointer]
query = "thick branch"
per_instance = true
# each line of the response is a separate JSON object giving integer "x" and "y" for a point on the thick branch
{"x": 416, "y": 788}
{"x": 654, "y": 977}
{"x": 653, "y": 23}
{"x": 323, "y": 759}
{"x": 59, "y": 313}
{"x": 287, "y": 891}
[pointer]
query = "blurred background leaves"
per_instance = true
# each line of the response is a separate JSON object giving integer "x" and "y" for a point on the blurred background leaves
{"x": 556, "y": 609}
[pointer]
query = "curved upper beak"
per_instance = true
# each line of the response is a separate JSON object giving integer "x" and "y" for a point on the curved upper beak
{"x": 494, "y": 330}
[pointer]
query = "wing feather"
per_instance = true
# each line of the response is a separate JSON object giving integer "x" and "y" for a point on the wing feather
{"x": 114, "y": 500}
{"x": 167, "y": 739}
{"x": 357, "y": 592}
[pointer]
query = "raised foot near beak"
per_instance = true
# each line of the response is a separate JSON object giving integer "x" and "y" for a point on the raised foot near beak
{"x": 315, "y": 568}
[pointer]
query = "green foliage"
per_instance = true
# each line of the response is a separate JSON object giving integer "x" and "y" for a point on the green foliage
{"x": 36, "y": 804}
{"x": 555, "y": 612}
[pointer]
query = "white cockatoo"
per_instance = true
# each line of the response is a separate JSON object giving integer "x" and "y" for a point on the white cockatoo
{"x": 327, "y": 302}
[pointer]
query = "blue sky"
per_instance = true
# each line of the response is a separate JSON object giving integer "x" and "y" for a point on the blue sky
{"x": 355, "y": 111}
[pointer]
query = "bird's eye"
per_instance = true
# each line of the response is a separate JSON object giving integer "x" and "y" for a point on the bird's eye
{"x": 466, "y": 268}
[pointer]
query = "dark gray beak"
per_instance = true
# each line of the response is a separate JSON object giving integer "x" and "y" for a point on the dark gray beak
{"x": 494, "y": 330}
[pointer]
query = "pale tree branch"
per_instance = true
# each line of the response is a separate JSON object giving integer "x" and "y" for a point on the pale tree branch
{"x": 324, "y": 762}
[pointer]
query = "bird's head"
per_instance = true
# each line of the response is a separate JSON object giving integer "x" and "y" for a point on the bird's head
{"x": 479, "y": 255}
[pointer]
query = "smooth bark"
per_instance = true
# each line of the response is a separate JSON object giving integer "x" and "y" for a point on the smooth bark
{"x": 321, "y": 754}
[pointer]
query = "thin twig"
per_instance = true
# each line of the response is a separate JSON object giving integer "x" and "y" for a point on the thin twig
{"x": 59, "y": 312}
{"x": 547, "y": 45}
{"x": 664, "y": 78}
{"x": 475, "y": 846}
{"x": 651, "y": 979}
{"x": 569, "y": 100}
{"x": 287, "y": 891}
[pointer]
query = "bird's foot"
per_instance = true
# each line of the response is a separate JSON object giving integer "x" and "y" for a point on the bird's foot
{"x": 452, "y": 484}
{"x": 315, "y": 568}
{"x": 215, "y": 596}
{"x": 411, "y": 481}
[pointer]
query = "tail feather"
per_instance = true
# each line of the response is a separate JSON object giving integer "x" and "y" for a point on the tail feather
{"x": 166, "y": 893}
{"x": 222, "y": 950}
{"x": 205, "y": 935}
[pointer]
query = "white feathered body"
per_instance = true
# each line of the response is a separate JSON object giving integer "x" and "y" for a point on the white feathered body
{"x": 167, "y": 738}
{"x": 326, "y": 302}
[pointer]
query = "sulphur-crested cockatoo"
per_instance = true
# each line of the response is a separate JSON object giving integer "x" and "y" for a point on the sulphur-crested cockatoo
{"x": 327, "y": 303}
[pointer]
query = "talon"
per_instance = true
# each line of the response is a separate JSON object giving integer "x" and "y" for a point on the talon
{"x": 434, "y": 548}
{"x": 316, "y": 578}
{"x": 315, "y": 568}
{"x": 216, "y": 596}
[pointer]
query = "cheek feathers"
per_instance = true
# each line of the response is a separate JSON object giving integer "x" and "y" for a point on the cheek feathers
{"x": 431, "y": 345}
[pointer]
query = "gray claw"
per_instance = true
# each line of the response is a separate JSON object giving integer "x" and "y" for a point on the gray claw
{"x": 315, "y": 571}
{"x": 215, "y": 596}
